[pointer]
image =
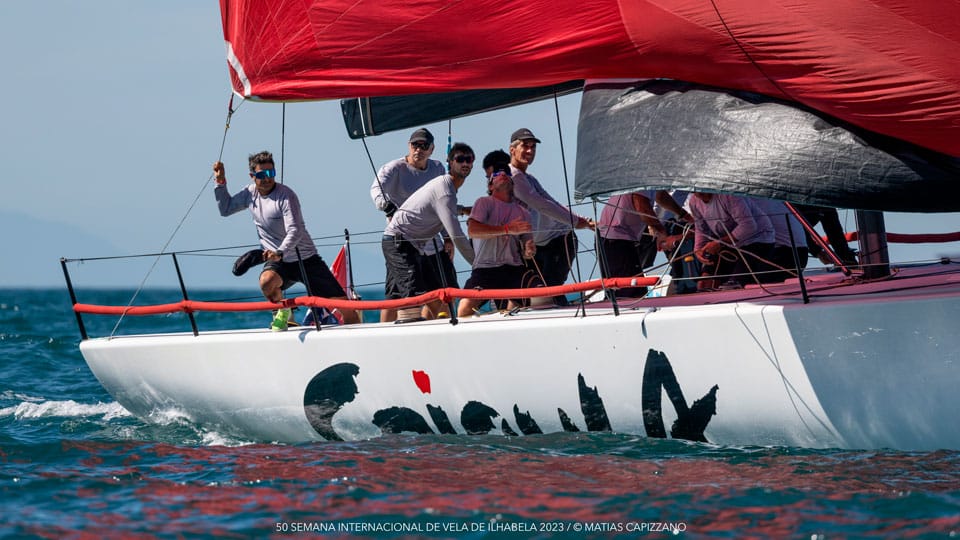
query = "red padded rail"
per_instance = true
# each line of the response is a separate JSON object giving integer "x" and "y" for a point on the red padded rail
{"x": 445, "y": 295}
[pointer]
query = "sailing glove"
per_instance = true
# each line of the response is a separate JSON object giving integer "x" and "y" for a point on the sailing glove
{"x": 389, "y": 209}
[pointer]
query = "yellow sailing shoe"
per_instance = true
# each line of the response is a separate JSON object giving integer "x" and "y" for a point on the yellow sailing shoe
{"x": 280, "y": 320}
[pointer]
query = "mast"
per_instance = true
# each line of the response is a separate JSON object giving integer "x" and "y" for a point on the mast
{"x": 874, "y": 257}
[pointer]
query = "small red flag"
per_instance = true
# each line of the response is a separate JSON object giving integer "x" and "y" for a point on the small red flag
{"x": 339, "y": 268}
{"x": 341, "y": 272}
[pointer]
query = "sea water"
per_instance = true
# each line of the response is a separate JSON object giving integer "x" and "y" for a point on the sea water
{"x": 75, "y": 464}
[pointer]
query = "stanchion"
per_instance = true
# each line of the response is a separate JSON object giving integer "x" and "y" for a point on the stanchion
{"x": 73, "y": 298}
{"x": 183, "y": 289}
{"x": 306, "y": 283}
{"x": 796, "y": 262}
{"x": 443, "y": 281}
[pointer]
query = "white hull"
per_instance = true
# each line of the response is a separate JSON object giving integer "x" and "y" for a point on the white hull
{"x": 857, "y": 371}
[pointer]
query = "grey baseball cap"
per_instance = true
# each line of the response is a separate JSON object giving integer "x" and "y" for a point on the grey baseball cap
{"x": 523, "y": 134}
{"x": 422, "y": 135}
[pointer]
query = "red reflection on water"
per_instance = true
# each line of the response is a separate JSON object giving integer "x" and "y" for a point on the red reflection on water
{"x": 765, "y": 495}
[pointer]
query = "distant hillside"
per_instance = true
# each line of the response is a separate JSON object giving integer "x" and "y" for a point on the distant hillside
{"x": 34, "y": 248}
{"x": 36, "y": 245}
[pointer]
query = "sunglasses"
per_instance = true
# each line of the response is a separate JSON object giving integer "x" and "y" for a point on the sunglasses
{"x": 266, "y": 173}
{"x": 464, "y": 159}
{"x": 420, "y": 145}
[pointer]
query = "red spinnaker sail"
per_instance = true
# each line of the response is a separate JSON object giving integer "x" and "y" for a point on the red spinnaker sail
{"x": 890, "y": 66}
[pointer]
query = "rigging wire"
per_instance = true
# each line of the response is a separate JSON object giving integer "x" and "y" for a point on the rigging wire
{"x": 223, "y": 142}
{"x": 563, "y": 161}
{"x": 601, "y": 258}
{"x": 449, "y": 135}
{"x": 566, "y": 182}
{"x": 373, "y": 166}
{"x": 793, "y": 393}
{"x": 283, "y": 136}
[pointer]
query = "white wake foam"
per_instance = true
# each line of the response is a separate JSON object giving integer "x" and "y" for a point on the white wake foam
{"x": 69, "y": 408}
{"x": 213, "y": 438}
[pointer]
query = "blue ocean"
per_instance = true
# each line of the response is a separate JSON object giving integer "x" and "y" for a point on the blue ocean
{"x": 75, "y": 464}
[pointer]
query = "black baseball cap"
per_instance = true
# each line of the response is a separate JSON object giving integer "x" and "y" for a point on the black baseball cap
{"x": 422, "y": 135}
{"x": 523, "y": 134}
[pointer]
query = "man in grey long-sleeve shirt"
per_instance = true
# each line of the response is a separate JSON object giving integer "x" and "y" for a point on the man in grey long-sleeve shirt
{"x": 413, "y": 269}
{"x": 732, "y": 238}
{"x": 553, "y": 223}
{"x": 276, "y": 213}
{"x": 402, "y": 177}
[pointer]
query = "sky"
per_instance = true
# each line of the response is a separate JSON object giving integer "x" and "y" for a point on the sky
{"x": 114, "y": 112}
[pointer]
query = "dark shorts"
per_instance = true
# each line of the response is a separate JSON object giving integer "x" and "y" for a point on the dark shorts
{"x": 437, "y": 263}
{"x": 555, "y": 257}
{"x": 321, "y": 280}
{"x": 409, "y": 273}
{"x": 626, "y": 258}
{"x": 503, "y": 277}
{"x": 783, "y": 264}
{"x": 553, "y": 261}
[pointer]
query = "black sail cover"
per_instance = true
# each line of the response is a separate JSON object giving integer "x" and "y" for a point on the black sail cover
{"x": 673, "y": 135}
{"x": 365, "y": 117}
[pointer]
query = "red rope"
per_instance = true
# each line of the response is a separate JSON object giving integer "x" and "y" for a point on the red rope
{"x": 444, "y": 295}
{"x": 902, "y": 238}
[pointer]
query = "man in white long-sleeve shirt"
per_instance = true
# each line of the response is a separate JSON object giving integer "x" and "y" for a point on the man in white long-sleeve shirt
{"x": 276, "y": 213}
{"x": 732, "y": 237}
{"x": 553, "y": 223}
{"x": 400, "y": 178}
{"x": 412, "y": 268}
